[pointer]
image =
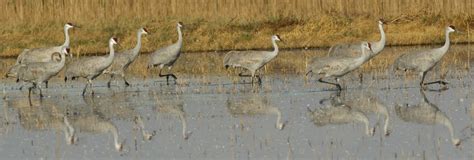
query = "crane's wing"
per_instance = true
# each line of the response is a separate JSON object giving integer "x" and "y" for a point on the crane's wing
{"x": 242, "y": 58}
{"x": 346, "y": 50}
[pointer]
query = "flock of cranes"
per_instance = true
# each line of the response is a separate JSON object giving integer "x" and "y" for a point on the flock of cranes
{"x": 36, "y": 66}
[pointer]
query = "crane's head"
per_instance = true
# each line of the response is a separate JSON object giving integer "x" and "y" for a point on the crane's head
{"x": 65, "y": 50}
{"x": 113, "y": 40}
{"x": 276, "y": 37}
{"x": 70, "y": 25}
{"x": 451, "y": 28}
{"x": 143, "y": 30}
{"x": 367, "y": 45}
{"x": 382, "y": 21}
{"x": 180, "y": 24}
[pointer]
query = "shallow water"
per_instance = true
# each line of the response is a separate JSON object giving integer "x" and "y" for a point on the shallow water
{"x": 227, "y": 119}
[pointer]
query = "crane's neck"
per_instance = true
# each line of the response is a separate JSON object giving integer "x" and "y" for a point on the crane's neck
{"x": 180, "y": 36}
{"x": 182, "y": 118}
{"x": 443, "y": 120}
{"x": 378, "y": 46}
{"x": 136, "y": 50}
{"x": 439, "y": 53}
{"x": 114, "y": 131}
{"x": 66, "y": 37}
{"x": 275, "y": 47}
{"x": 110, "y": 58}
{"x": 384, "y": 111}
{"x": 276, "y": 111}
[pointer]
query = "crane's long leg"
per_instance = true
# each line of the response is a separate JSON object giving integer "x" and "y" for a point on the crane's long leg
{"x": 422, "y": 84}
{"x": 39, "y": 88}
{"x": 437, "y": 82}
{"x": 110, "y": 80}
{"x": 423, "y": 75}
{"x": 46, "y": 84}
{"x": 125, "y": 80}
{"x": 336, "y": 84}
{"x": 85, "y": 87}
{"x": 90, "y": 86}
{"x": 168, "y": 76}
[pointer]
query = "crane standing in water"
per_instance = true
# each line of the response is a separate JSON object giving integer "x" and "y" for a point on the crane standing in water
{"x": 338, "y": 66}
{"x": 424, "y": 61}
{"x": 251, "y": 60}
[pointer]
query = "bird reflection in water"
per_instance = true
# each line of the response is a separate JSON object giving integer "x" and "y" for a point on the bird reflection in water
{"x": 253, "y": 105}
{"x": 426, "y": 113}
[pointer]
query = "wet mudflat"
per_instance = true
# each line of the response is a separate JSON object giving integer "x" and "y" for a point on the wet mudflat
{"x": 286, "y": 118}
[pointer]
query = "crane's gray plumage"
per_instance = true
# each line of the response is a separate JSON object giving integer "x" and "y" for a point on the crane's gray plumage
{"x": 354, "y": 50}
{"x": 123, "y": 59}
{"x": 167, "y": 56}
{"x": 423, "y": 61}
{"x": 90, "y": 67}
{"x": 337, "y": 66}
{"x": 40, "y": 72}
{"x": 44, "y": 54}
{"x": 426, "y": 113}
{"x": 251, "y": 60}
{"x": 338, "y": 112}
{"x": 40, "y": 54}
{"x": 254, "y": 104}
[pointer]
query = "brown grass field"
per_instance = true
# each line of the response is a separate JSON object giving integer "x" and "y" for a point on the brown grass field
{"x": 220, "y": 25}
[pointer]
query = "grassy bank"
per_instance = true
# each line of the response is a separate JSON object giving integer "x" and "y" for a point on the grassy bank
{"x": 228, "y": 24}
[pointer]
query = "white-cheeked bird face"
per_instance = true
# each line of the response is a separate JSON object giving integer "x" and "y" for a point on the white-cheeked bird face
{"x": 367, "y": 46}
{"x": 66, "y": 51}
{"x": 451, "y": 28}
{"x": 276, "y": 37}
{"x": 69, "y": 25}
{"x": 382, "y": 22}
{"x": 114, "y": 40}
{"x": 144, "y": 31}
{"x": 180, "y": 24}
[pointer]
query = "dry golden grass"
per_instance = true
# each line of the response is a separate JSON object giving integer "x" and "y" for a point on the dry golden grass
{"x": 227, "y": 24}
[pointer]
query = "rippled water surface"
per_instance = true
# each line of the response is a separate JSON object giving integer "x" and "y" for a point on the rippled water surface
{"x": 212, "y": 117}
{"x": 230, "y": 120}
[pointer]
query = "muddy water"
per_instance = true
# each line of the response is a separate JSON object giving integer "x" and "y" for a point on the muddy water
{"x": 227, "y": 120}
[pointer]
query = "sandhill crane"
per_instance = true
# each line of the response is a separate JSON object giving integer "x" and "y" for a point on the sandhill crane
{"x": 124, "y": 59}
{"x": 424, "y": 61}
{"x": 337, "y": 66}
{"x": 254, "y": 105}
{"x": 353, "y": 50}
{"x": 426, "y": 113}
{"x": 175, "y": 107}
{"x": 43, "y": 116}
{"x": 90, "y": 67}
{"x": 251, "y": 60}
{"x": 167, "y": 56}
{"x": 368, "y": 103}
{"x": 40, "y": 72}
{"x": 44, "y": 54}
{"x": 339, "y": 113}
